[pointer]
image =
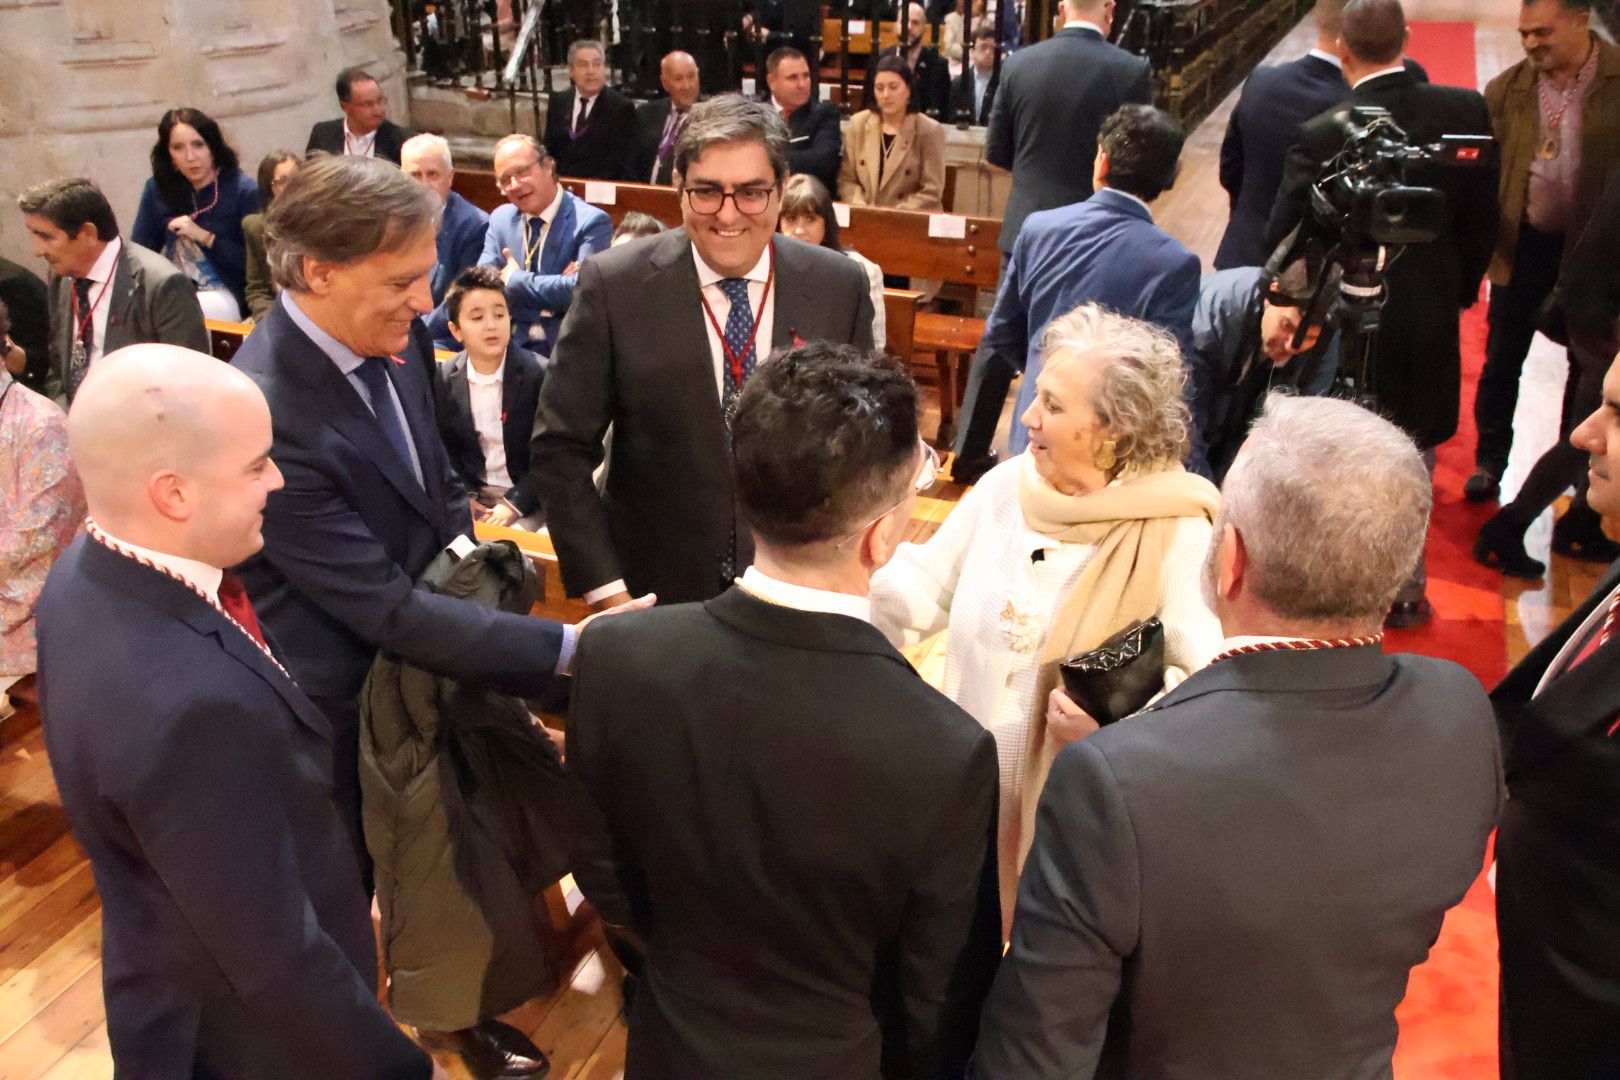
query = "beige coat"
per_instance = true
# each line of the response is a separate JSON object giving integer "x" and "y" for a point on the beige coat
{"x": 1516, "y": 118}
{"x": 915, "y": 177}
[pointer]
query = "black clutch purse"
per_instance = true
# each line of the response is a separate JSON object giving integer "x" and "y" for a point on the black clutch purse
{"x": 1119, "y": 676}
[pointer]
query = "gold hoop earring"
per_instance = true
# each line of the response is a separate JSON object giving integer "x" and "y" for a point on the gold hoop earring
{"x": 1106, "y": 457}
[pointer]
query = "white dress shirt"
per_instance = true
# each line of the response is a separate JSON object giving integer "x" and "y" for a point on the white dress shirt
{"x": 802, "y": 597}
{"x": 1085, "y": 24}
{"x": 1379, "y": 74}
{"x": 484, "y": 392}
{"x": 199, "y": 575}
{"x": 545, "y": 217}
{"x": 1323, "y": 54}
{"x": 709, "y": 281}
{"x": 100, "y": 278}
{"x": 1593, "y": 624}
{"x": 359, "y": 145}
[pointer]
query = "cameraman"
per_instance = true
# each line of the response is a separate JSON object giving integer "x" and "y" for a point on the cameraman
{"x": 1245, "y": 329}
{"x": 1416, "y": 368}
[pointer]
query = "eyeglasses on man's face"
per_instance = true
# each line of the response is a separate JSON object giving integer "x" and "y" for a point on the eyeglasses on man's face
{"x": 927, "y": 474}
{"x": 707, "y": 199}
{"x": 512, "y": 176}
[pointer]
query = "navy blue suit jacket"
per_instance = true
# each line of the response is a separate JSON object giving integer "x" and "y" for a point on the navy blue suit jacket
{"x": 520, "y": 403}
{"x": 461, "y": 243}
{"x": 1105, "y": 250}
{"x": 1263, "y": 127}
{"x": 542, "y": 294}
{"x": 347, "y": 537}
{"x": 236, "y": 938}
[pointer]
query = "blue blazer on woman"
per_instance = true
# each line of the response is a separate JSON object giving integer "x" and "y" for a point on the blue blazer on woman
{"x": 238, "y": 197}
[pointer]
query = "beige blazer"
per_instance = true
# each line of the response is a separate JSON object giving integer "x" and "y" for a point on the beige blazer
{"x": 915, "y": 177}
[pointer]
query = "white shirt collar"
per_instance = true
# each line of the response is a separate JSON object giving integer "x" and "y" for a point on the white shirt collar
{"x": 549, "y": 214}
{"x": 803, "y": 598}
{"x": 707, "y": 275}
{"x": 1379, "y": 74}
{"x": 1323, "y": 54}
{"x": 106, "y": 262}
{"x": 1084, "y": 24}
{"x": 346, "y": 359}
{"x": 198, "y": 574}
{"x": 1133, "y": 198}
{"x": 363, "y": 140}
{"x": 478, "y": 378}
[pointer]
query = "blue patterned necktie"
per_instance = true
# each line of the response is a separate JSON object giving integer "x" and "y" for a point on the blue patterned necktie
{"x": 738, "y": 335}
{"x": 374, "y": 373}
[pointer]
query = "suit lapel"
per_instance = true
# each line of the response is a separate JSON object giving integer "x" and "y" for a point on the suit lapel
{"x": 128, "y": 281}
{"x": 871, "y": 154}
{"x": 796, "y": 300}
{"x": 686, "y": 338}
{"x": 514, "y": 431}
{"x": 550, "y": 259}
{"x": 897, "y": 156}
{"x": 341, "y": 406}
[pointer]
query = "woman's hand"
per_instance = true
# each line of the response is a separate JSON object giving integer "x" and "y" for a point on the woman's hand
{"x": 501, "y": 514}
{"x": 1067, "y": 722}
{"x": 184, "y": 226}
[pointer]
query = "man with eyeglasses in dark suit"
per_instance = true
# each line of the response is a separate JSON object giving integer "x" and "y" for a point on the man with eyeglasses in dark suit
{"x": 660, "y": 336}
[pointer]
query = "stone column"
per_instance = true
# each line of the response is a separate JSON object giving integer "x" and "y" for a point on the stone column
{"x": 84, "y": 82}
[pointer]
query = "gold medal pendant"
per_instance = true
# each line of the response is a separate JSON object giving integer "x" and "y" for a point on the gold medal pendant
{"x": 1549, "y": 148}
{"x": 76, "y": 355}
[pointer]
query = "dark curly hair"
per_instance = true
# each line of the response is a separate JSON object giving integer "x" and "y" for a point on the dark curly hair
{"x": 175, "y": 188}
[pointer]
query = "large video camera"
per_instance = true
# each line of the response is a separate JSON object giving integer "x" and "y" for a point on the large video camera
{"x": 1363, "y": 204}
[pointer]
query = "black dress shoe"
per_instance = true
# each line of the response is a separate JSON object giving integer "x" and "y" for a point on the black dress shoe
{"x": 1482, "y": 486}
{"x": 1408, "y": 613}
{"x": 491, "y": 1050}
{"x": 966, "y": 471}
{"x": 1500, "y": 546}
{"x": 1579, "y": 535}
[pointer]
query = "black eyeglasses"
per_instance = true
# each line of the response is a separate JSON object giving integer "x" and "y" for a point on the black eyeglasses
{"x": 748, "y": 200}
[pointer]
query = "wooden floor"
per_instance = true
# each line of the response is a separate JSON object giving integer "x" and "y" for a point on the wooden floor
{"x": 51, "y": 1021}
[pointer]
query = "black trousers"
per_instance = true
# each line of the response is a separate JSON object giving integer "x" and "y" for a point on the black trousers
{"x": 1512, "y": 322}
{"x": 1563, "y": 466}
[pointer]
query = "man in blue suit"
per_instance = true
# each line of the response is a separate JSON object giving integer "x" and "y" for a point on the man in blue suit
{"x": 236, "y": 938}
{"x": 426, "y": 159}
{"x": 370, "y": 499}
{"x": 1105, "y": 250}
{"x": 538, "y": 240}
{"x": 1265, "y": 125}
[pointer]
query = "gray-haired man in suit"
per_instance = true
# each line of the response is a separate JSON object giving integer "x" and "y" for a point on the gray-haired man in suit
{"x": 104, "y": 293}
{"x": 1238, "y": 881}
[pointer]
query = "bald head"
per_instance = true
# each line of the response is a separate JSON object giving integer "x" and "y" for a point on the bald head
{"x": 173, "y": 448}
{"x": 678, "y": 73}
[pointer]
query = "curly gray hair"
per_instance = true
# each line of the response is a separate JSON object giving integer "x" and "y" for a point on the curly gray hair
{"x": 1138, "y": 395}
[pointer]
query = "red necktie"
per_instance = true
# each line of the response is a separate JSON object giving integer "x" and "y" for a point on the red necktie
{"x": 234, "y": 599}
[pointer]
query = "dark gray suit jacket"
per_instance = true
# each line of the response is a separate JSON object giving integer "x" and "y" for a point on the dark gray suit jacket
{"x": 150, "y": 301}
{"x": 1049, "y": 107}
{"x": 634, "y": 352}
{"x": 1236, "y": 882}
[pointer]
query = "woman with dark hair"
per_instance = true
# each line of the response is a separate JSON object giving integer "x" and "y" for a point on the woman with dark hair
{"x": 192, "y": 210}
{"x": 274, "y": 172}
{"x": 807, "y": 214}
{"x": 893, "y": 157}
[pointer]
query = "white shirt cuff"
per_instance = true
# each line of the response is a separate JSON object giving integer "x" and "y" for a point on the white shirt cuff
{"x": 602, "y": 592}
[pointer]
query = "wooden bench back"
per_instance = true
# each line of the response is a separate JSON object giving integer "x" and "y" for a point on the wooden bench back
{"x": 224, "y": 338}
{"x": 897, "y": 240}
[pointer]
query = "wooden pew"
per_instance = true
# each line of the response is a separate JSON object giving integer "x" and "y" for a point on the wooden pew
{"x": 224, "y": 338}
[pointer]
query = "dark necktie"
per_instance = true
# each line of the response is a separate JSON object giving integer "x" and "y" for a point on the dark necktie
{"x": 85, "y": 332}
{"x": 739, "y": 332}
{"x": 234, "y": 599}
{"x": 1598, "y": 639}
{"x": 676, "y": 121}
{"x": 374, "y": 373}
{"x": 533, "y": 229}
{"x": 584, "y": 120}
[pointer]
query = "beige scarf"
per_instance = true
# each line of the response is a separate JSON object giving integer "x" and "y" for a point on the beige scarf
{"x": 1132, "y": 524}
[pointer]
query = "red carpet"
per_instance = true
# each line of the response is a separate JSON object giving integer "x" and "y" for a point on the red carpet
{"x": 1448, "y": 1020}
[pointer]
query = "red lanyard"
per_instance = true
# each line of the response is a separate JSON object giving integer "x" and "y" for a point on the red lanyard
{"x": 1306, "y": 645}
{"x": 90, "y": 315}
{"x": 735, "y": 359}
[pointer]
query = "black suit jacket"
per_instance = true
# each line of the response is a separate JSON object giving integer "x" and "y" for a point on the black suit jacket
{"x": 1557, "y": 874}
{"x": 1263, "y": 127}
{"x": 1237, "y": 882}
{"x": 816, "y": 142}
{"x": 651, "y": 116}
{"x": 520, "y": 401}
{"x": 327, "y": 135}
{"x": 236, "y": 938}
{"x": 352, "y": 530}
{"x": 634, "y": 353}
{"x": 1052, "y": 101}
{"x": 961, "y": 110}
{"x": 606, "y": 149}
{"x": 802, "y": 831}
{"x": 1417, "y": 369}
